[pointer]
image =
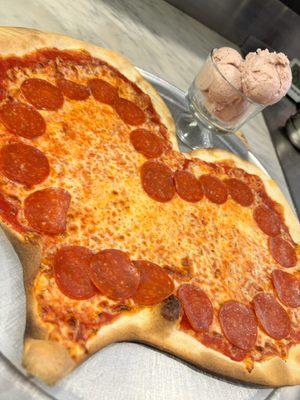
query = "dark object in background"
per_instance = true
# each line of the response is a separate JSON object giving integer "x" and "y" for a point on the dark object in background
{"x": 293, "y": 5}
{"x": 276, "y": 117}
{"x": 250, "y": 23}
{"x": 293, "y": 130}
{"x": 294, "y": 91}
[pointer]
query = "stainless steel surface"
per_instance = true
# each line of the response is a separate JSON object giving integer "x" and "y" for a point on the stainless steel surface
{"x": 121, "y": 371}
{"x": 294, "y": 91}
{"x": 293, "y": 130}
{"x": 289, "y": 156}
{"x": 248, "y": 23}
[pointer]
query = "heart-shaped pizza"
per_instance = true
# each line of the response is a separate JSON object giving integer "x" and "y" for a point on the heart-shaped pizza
{"x": 122, "y": 237}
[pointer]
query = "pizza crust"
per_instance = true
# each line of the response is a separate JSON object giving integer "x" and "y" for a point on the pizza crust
{"x": 45, "y": 359}
{"x": 49, "y": 360}
{"x": 148, "y": 326}
{"x": 164, "y": 335}
{"x": 273, "y": 190}
{"x": 21, "y": 41}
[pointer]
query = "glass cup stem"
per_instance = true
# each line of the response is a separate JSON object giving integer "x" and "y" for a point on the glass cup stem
{"x": 192, "y": 134}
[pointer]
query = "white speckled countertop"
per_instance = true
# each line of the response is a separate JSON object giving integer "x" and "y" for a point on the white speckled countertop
{"x": 164, "y": 41}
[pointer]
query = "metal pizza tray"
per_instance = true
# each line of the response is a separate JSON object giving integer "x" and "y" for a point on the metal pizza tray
{"x": 122, "y": 371}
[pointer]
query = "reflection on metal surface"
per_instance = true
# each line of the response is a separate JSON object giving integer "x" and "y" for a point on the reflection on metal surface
{"x": 289, "y": 157}
{"x": 293, "y": 130}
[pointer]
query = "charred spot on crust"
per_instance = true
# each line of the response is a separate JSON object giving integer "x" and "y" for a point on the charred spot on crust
{"x": 171, "y": 308}
{"x": 121, "y": 307}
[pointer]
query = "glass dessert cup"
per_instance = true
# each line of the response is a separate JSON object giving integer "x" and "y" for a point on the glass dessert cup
{"x": 216, "y": 109}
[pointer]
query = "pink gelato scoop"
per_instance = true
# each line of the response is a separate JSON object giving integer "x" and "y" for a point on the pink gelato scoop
{"x": 228, "y": 62}
{"x": 266, "y": 77}
{"x": 223, "y": 96}
{"x": 219, "y": 90}
{"x": 228, "y": 56}
{"x": 227, "y": 112}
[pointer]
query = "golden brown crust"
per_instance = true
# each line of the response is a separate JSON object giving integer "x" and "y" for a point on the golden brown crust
{"x": 29, "y": 253}
{"x": 20, "y": 41}
{"x": 49, "y": 360}
{"x": 151, "y": 328}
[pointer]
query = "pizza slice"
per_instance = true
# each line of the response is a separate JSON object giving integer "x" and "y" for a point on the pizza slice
{"x": 122, "y": 237}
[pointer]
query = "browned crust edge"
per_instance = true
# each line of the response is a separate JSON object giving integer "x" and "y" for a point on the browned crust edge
{"x": 49, "y": 360}
{"x": 44, "y": 358}
{"x": 21, "y": 41}
{"x": 273, "y": 190}
{"x": 149, "y": 327}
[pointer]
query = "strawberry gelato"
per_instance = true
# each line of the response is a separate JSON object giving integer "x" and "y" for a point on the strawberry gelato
{"x": 223, "y": 97}
{"x": 266, "y": 77}
{"x": 213, "y": 84}
{"x": 219, "y": 90}
{"x": 227, "y": 56}
{"x": 227, "y": 112}
{"x": 228, "y": 80}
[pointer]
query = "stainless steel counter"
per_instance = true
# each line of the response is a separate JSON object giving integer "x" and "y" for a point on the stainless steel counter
{"x": 289, "y": 156}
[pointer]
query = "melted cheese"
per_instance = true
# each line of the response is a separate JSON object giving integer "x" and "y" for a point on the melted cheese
{"x": 91, "y": 156}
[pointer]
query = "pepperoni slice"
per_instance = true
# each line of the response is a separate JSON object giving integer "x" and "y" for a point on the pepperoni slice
{"x": 272, "y": 317}
{"x": 46, "y": 210}
{"x": 213, "y": 188}
{"x": 155, "y": 284}
{"x": 267, "y": 220}
{"x": 22, "y": 119}
{"x": 287, "y": 288}
{"x": 197, "y": 307}
{"x": 42, "y": 94}
{"x": 129, "y": 112}
{"x": 240, "y": 192}
{"x": 283, "y": 252}
{"x": 147, "y": 143}
{"x": 187, "y": 186}
{"x": 157, "y": 181}
{"x": 103, "y": 91}
{"x": 238, "y": 324}
{"x": 114, "y": 274}
{"x": 24, "y": 164}
{"x": 73, "y": 90}
{"x": 71, "y": 266}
